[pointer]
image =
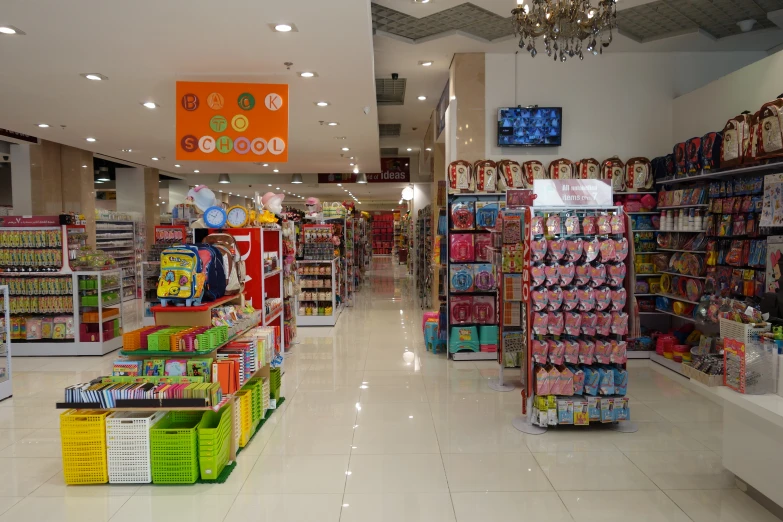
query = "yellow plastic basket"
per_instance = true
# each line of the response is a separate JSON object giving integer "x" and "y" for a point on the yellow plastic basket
{"x": 83, "y": 439}
{"x": 245, "y": 399}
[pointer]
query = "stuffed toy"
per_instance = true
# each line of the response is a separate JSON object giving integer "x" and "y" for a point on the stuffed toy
{"x": 202, "y": 198}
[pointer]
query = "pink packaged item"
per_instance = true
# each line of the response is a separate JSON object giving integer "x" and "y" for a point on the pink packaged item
{"x": 603, "y": 298}
{"x": 604, "y": 224}
{"x": 619, "y": 298}
{"x": 607, "y": 251}
{"x": 566, "y": 381}
{"x": 538, "y": 248}
{"x": 539, "y": 298}
{"x": 619, "y": 352}
{"x": 616, "y": 274}
{"x": 586, "y": 299}
{"x": 574, "y": 249}
{"x": 572, "y": 225}
{"x": 537, "y": 274}
{"x": 461, "y": 309}
{"x": 592, "y": 250}
{"x": 461, "y": 249}
{"x": 571, "y": 351}
{"x": 543, "y": 384}
{"x": 540, "y": 323}
{"x": 570, "y": 298}
{"x": 540, "y": 350}
{"x": 554, "y": 379}
{"x": 556, "y": 323}
{"x": 603, "y": 351}
{"x": 589, "y": 323}
{"x": 537, "y": 225}
{"x": 557, "y": 248}
{"x": 582, "y": 276}
{"x": 550, "y": 271}
{"x": 597, "y": 275}
{"x": 482, "y": 244}
{"x": 619, "y": 323}
{"x": 573, "y": 322}
{"x": 621, "y": 248}
{"x": 579, "y": 380}
{"x": 632, "y": 206}
{"x": 604, "y": 326}
{"x": 554, "y": 298}
{"x": 556, "y": 351}
{"x": 567, "y": 272}
{"x": 618, "y": 224}
{"x": 553, "y": 225}
{"x": 484, "y": 309}
{"x": 588, "y": 226}
{"x": 649, "y": 202}
{"x": 586, "y": 352}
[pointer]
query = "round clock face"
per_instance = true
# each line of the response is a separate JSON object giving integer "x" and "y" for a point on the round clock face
{"x": 215, "y": 217}
{"x": 237, "y": 217}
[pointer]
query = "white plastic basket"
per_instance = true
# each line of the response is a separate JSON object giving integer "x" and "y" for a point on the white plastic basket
{"x": 236, "y": 418}
{"x": 740, "y": 331}
{"x": 128, "y": 446}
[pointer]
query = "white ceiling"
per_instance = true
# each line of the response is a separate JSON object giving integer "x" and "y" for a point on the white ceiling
{"x": 145, "y": 46}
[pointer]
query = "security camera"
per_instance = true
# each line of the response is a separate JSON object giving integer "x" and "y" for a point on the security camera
{"x": 5, "y": 158}
{"x": 366, "y": 110}
{"x": 395, "y": 76}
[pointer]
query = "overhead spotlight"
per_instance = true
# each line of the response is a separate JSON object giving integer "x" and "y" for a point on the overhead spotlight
{"x": 426, "y": 63}
{"x": 308, "y": 74}
{"x": 43, "y": 125}
{"x": 177, "y": 165}
{"x": 407, "y": 193}
{"x": 283, "y": 28}
{"x": 196, "y": 171}
{"x": 322, "y": 103}
{"x": 296, "y": 179}
{"x": 399, "y": 202}
{"x": 428, "y": 149}
{"x": 275, "y": 170}
{"x": 154, "y": 158}
{"x": 339, "y": 184}
{"x": 361, "y": 178}
{"x": 333, "y": 124}
{"x": 10, "y": 29}
{"x": 422, "y": 98}
{"x": 409, "y": 149}
{"x": 91, "y": 140}
{"x": 345, "y": 149}
{"x": 151, "y": 105}
{"x": 223, "y": 178}
{"x": 94, "y": 77}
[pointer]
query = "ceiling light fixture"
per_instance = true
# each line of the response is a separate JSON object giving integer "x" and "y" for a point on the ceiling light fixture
{"x": 95, "y": 77}
{"x": 399, "y": 202}
{"x": 428, "y": 149}
{"x": 126, "y": 150}
{"x": 10, "y": 29}
{"x": 154, "y": 158}
{"x": 565, "y": 25}
{"x": 91, "y": 140}
{"x": 220, "y": 191}
{"x": 407, "y": 193}
{"x": 275, "y": 170}
{"x": 196, "y": 171}
{"x": 43, "y": 125}
{"x": 409, "y": 149}
{"x": 361, "y": 178}
{"x": 265, "y": 165}
{"x": 308, "y": 74}
{"x": 283, "y": 28}
{"x": 296, "y": 179}
{"x": 322, "y": 104}
{"x": 339, "y": 184}
{"x": 422, "y": 98}
{"x": 345, "y": 149}
{"x": 223, "y": 178}
{"x": 151, "y": 105}
{"x": 333, "y": 124}
{"x": 177, "y": 165}
{"x": 426, "y": 63}
{"x": 98, "y": 182}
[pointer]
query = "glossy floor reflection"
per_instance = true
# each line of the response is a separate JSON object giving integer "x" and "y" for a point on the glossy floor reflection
{"x": 375, "y": 428}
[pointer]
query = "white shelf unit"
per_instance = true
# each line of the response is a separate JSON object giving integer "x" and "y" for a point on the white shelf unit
{"x": 318, "y": 320}
{"x": 120, "y": 239}
{"x": 6, "y": 386}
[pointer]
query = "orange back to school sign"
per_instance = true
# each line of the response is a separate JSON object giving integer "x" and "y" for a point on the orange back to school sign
{"x": 232, "y": 121}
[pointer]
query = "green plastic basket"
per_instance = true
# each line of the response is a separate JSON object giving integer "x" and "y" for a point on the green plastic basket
{"x": 214, "y": 438}
{"x": 203, "y": 342}
{"x": 174, "y": 448}
{"x": 159, "y": 341}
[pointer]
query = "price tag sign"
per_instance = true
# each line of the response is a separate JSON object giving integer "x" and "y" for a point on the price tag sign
{"x": 572, "y": 193}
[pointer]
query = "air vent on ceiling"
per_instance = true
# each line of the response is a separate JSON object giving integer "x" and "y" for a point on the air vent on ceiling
{"x": 390, "y": 92}
{"x": 389, "y": 151}
{"x": 389, "y": 130}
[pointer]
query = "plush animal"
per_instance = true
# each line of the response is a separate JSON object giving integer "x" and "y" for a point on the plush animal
{"x": 273, "y": 203}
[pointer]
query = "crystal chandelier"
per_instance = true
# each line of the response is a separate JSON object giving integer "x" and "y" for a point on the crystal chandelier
{"x": 565, "y": 25}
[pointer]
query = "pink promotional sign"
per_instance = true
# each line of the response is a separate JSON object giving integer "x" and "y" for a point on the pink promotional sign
{"x": 572, "y": 193}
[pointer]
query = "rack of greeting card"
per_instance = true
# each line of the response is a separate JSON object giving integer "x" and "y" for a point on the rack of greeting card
{"x": 576, "y": 290}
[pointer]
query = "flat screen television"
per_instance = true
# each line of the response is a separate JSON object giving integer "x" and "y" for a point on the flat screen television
{"x": 530, "y": 127}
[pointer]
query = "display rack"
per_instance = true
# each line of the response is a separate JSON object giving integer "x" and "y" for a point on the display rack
{"x": 123, "y": 236}
{"x": 290, "y": 280}
{"x": 382, "y": 234}
{"x": 349, "y": 260}
{"x": 6, "y": 376}
{"x": 318, "y": 284}
{"x": 100, "y": 308}
{"x": 423, "y": 250}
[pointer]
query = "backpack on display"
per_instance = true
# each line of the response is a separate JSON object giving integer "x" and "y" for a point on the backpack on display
{"x": 561, "y": 169}
{"x": 486, "y": 174}
{"x": 214, "y": 273}
{"x": 680, "y": 161}
{"x": 710, "y": 150}
{"x": 659, "y": 167}
{"x": 533, "y": 170}
{"x": 460, "y": 175}
{"x": 181, "y": 279}
{"x": 233, "y": 264}
{"x": 613, "y": 170}
{"x": 770, "y": 128}
{"x": 693, "y": 156}
{"x": 587, "y": 168}
{"x": 736, "y": 140}
{"x": 638, "y": 175}
{"x": 510, "y": 175}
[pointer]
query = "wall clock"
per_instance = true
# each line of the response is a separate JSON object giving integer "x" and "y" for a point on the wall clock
{"x": 238, "y": 216}
{"x": 215, "y": 217}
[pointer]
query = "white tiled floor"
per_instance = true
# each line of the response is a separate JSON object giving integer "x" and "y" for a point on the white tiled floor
{"x": 375, "y": 428}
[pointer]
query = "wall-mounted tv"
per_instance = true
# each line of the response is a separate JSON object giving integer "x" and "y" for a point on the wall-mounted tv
{"x": 530, "y": 127}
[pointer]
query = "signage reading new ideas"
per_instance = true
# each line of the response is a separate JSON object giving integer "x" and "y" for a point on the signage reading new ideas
{"x": 232, "y": 121}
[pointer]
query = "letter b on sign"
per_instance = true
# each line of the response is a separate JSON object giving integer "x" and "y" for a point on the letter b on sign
{"x": 190, "y": 102}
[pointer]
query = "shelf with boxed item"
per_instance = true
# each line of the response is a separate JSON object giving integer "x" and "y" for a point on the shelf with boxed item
{"x": 321, "y": 313}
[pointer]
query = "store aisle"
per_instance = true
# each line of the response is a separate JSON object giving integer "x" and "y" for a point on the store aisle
{"x": 374, "y": 428}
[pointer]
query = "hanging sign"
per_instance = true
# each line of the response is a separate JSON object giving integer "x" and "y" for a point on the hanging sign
{"x": 232, "y": 122}
{"x": 572, "y": 193}
{"x": 393, "y": 170}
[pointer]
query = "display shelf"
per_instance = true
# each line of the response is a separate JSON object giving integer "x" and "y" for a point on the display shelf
{"x": 642, "y": 214}
{"x": 667, "y": 363}
{"x": 681, "y": 275}
{"x": 319, "y": 320}
{"x": 269, "y": 320}
{"x": 200, "y": 315}
{"x": 647, "y": 275}
{"x": 677, "y": 298}
{"x": 639, "y": 355}
{"x": 652, "y": 313}
{"x": 159, "y": 353}
{"x": 724, "y": 173}
{"x": 273, "y": 273}
{"x": 302, "y": 318}
{"x": 6, "y": 385}
{"x": 674, "y": 207}
{"x": 692, "y": 320}
{"x": 678, "y": 250}
{"x": 474, "y": 356}
{"x": 645, "y": 295}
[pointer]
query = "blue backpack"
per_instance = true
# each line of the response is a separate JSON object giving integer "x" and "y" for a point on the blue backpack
{"x": 213, "y": 270}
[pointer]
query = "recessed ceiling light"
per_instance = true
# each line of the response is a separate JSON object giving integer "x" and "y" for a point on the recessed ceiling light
{"x": 426, "y": 63}
{"x": 163, "y": 202}
{"x": 154, "y": 158}
{"x": 95, "y": 77}
{"x": 428, "y": 149}
{"x": 322, "y": 104}
{"x": 333, "y": 124}
{"x": 308, "y": 74}
{"x": 283, "y": 28}
{"x": 10, "y": 29}
{"x": 422, "y": 98}
{"x": 345, "y": 190}
{"x": 275, "y": 170}
{"x": 151, "y": 105}
{"x": 84, "y": 166}
{"x": 91, "y": 139}
{"x": 269, "y": 185}
{"x": 409, "y": 149}
{"x": 265, "y": 165}
{"x": 350, "y": 164}
{"x": 421, "y": 1}
{"x": 220, "y": 191}
{"x": 43, "y": 125}
{"x": 345, "y": 149}
{"x": 126, "y": 150}
{"x": 177, "y": 165}
{"x": 339, "y": 184}
{"x": 277, "y": 188}
{"x": 196, "y": 171}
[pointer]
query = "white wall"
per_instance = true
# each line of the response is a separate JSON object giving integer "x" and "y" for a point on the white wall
{"x": 130, "y": 190}
{"x": 614, "y": 104}
{"x": 710, "y": 107}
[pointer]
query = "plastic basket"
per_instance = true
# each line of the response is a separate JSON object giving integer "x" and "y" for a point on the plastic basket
{"x": 128, "y": 446}
{"x": 214, "y": 439}
{"x": 245, "y": 399}
{"x": 83, "y": 440}
{"x": 256, "y": 386}
{"x": 174, "y": 448}
{"x": 740, "y": 331}
{"x": 236, "y": 416}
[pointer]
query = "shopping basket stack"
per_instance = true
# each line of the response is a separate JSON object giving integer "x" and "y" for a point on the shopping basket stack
{"x": 214, "y": 442}
{"x": 174, "y": 448}
{"x": 128, "y": 446}
{"x": 83, "y": 438}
